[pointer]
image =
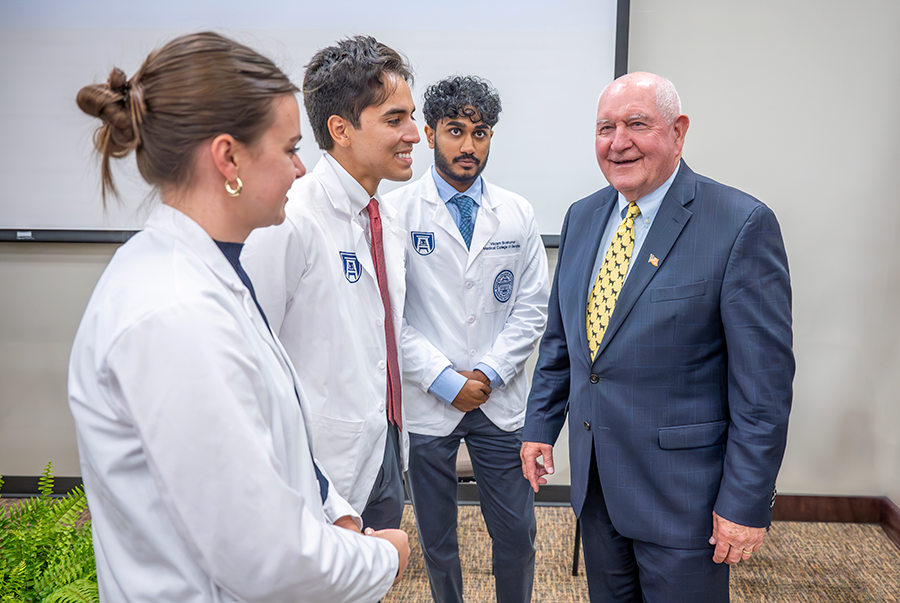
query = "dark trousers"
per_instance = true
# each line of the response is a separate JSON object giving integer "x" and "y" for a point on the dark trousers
{"x": 507, "y": 503}
{"x": 384, "y": 509}
{"x": 622, "y": 570}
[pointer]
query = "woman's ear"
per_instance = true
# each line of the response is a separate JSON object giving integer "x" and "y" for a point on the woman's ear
{"x": 222, "y": 150}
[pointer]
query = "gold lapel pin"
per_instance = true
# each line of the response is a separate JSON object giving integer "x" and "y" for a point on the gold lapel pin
{"x": 654, "y": 260}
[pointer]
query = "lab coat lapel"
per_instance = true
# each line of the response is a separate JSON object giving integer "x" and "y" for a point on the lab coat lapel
{"x": 670, "y": 220}
{"x": 486, "y": 224}
{"x": 342, "y": 207}
{"x": 441, "y": 217}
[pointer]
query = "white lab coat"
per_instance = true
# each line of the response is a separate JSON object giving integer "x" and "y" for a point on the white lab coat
{"x": 463, "y": 308}
{"x": 194, "y": 450}
{"x": 331, "y": 321}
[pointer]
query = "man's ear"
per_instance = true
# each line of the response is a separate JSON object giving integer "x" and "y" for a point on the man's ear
{"x": 681, "y": 127}
{"x": 429, "y": 135}
{"x": 222, "y": 149}
{"x": 339, "y": 129}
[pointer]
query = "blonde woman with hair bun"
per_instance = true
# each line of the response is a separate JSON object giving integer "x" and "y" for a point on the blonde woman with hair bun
{"x": 192, "y": 427}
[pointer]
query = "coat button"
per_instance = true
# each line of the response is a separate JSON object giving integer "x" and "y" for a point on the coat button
{"x": 587, "y": 425}
{"x": 595, "y": 379}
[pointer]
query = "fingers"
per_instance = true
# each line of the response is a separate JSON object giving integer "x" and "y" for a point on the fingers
{"x": 400, "y": 540}
{"x": 734, "y": 543}
{"x": 473, "y": 394}
{"x": 532, "y": 469}
{"x": 547, "y": 453}
{"x": 476, "y": 375}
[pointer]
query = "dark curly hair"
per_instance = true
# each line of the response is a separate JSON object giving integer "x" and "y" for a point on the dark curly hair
{"x": 469, "y": 96}
{"x": 346, "y": 78}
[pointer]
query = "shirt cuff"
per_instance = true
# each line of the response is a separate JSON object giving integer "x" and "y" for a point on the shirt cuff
{"x": 491, "y": 374}
{"x": 447, "y": 385}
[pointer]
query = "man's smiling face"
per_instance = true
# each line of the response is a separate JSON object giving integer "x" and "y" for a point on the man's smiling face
{"x": 636, "y": 149}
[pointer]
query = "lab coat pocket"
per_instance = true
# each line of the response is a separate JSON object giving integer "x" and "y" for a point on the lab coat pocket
{"x": 336, "y": 444}
{"x": 500, "y": 274}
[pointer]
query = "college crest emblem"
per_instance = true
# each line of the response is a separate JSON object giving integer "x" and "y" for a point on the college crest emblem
{"x": 351, "y": 266}
{"x": 503, "y": 286}
{"x": 423, "y": 242}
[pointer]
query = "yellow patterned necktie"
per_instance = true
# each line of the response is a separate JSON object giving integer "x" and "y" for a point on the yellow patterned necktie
{"x": 609, "y": 280}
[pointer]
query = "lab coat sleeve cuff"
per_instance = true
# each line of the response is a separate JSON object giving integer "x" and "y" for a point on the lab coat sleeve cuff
{"x": 494, "y": 376}
{"x": 447, "y": 385}
{"x": 336, "y": 507}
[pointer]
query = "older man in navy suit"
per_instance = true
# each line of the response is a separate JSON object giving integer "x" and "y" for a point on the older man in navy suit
{"x": 669, "y": 347}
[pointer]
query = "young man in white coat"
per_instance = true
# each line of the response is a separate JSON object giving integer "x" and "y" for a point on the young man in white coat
{"x": 331, "y": 277}
{"x": 476, "y": 303}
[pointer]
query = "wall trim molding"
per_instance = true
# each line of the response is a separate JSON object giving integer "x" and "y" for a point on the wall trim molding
{"x": 788, "y": 507}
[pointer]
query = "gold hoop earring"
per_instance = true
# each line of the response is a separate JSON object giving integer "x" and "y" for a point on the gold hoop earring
{"x": 234, "y": 192}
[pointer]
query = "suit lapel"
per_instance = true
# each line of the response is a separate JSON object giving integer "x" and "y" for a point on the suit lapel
{"x": 670, "y": 220}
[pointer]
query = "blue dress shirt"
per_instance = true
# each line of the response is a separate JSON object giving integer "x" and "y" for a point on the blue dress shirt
{"x": 449, "y": 383}
{"x": 649, "y": 206}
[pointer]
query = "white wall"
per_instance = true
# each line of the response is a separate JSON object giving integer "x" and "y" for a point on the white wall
{"x": 795, "y": 102}
{"x": 44, "y": 289}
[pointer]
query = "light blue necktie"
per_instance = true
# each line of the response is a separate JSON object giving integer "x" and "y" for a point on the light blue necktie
{"x": 466, "y": 226}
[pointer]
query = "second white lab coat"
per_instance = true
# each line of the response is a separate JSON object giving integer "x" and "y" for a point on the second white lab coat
{"x": 316, "y": 282}
{"x": 194, "y": 449}
{"x": 464, "y": 306}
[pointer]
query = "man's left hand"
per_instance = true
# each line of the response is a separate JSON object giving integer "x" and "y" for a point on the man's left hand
{"x": 734, "y": 542}
{"x": 477, "y": 375}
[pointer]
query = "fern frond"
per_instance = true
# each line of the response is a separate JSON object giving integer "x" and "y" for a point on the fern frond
{"x": 80, "y": 591}
{"x": 44, "y": 555}
{"x": 45, "y": 482}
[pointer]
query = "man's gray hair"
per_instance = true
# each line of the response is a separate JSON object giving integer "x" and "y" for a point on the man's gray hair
{"x": 667, "y": 101}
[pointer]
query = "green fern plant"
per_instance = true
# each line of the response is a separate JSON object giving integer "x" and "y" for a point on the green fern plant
{"x": 45, "y": 556}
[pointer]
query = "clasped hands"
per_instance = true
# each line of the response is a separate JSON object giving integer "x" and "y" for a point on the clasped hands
{"x": 398, "y": 538}
{"x": 474, "y": 393}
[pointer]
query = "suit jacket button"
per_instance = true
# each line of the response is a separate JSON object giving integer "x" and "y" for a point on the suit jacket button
{"x": 587, "y": 425}
{"x": 595, "y": 379}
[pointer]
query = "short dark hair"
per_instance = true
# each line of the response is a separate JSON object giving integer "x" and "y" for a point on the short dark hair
{"x": 346, "y": 78}
{"x": 469, "y": 96}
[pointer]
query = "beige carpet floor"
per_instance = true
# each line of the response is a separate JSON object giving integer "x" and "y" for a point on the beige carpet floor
{"x": 799, "y": 563}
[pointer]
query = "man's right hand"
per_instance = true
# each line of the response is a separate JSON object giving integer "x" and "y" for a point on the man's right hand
{"x": 533, "y": 469}
{"x": 400, "y": 540}
{"x": 473, "y": 394}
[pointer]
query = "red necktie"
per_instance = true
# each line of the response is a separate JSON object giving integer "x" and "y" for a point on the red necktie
{"x": 393, "y": 366}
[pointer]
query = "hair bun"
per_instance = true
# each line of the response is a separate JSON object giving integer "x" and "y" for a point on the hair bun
{"x": 119, "y": 134}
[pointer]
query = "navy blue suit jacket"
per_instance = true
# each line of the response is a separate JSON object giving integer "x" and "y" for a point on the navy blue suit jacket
{"x": 687, "y": 402}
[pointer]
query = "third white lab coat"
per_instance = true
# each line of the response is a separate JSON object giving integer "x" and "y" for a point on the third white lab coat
{"x": 328, "y": 313}
{"x": 464, "y": 306}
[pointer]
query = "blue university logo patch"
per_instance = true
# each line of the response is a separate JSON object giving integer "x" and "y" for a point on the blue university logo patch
{"x": 351, "y": 266}
{"x": 503, "y": 286}
{"x": 423, "y": 242}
